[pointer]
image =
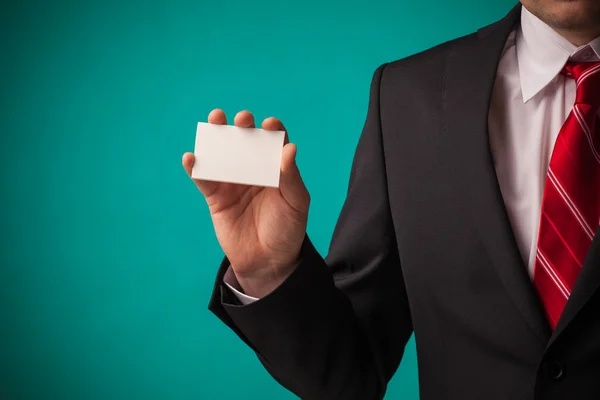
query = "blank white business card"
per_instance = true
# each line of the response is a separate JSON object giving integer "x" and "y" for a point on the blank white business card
{"x": 249, "y": 156}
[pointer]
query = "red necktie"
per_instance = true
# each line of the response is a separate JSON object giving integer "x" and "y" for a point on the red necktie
{"x": 571, "y": 205}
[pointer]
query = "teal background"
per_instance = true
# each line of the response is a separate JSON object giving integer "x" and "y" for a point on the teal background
{"x": 108, "y": 254}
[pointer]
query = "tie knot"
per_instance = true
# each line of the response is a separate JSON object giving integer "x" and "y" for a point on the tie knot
{"x": 587, "y": 78}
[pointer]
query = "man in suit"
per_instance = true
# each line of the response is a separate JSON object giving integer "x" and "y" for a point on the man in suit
{"x": 471, "y": 220}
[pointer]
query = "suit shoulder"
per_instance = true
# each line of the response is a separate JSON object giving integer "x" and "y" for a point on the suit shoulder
{"x": 427, "y": 62}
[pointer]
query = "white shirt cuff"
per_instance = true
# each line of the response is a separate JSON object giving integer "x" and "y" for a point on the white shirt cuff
{"x": 231, "y": 282}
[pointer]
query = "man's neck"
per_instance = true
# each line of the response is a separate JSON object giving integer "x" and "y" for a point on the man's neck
{"x": 578, "y": 38}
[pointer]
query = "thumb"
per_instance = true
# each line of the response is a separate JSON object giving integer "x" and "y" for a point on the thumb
{"x": 206, "y": 187}
{"x": 291, "y": 185}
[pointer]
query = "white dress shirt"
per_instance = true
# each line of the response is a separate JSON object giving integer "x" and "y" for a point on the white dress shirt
{"x": 530, "y": 102}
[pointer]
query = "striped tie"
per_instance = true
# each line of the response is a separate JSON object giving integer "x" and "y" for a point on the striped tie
{"x": 571, "y": 205}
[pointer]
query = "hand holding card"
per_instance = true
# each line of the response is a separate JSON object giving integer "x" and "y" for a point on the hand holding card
{"x": 256, "y": 197}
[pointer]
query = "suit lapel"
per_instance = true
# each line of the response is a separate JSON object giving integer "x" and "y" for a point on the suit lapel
{"x": 471, "y": 72}
{"x": 586, "y": 285}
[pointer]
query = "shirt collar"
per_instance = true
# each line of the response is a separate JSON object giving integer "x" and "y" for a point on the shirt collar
{"x": 542, "y": 53}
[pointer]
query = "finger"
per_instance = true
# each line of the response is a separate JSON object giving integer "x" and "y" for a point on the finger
{"x": 188, "y": 162}
{"x": 244, "y": 119}
{"x": 217, "y": 117}
{"x": 291, "y": 185}
{"x": 206, "y": 187}
{"x": 288, "y": 157}
{"x": 273, "y": 124}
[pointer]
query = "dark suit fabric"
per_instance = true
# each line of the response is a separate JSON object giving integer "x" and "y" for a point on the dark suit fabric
{"x": 423, "y": 244}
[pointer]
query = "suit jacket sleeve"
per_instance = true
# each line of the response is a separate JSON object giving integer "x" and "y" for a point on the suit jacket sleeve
{"x": 336, "y": 328}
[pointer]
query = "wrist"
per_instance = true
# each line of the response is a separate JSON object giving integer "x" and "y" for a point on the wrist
{"x": 260, "y": 283}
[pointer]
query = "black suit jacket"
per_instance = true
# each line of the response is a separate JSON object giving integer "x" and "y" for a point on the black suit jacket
{"x": 424, "y": 244}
